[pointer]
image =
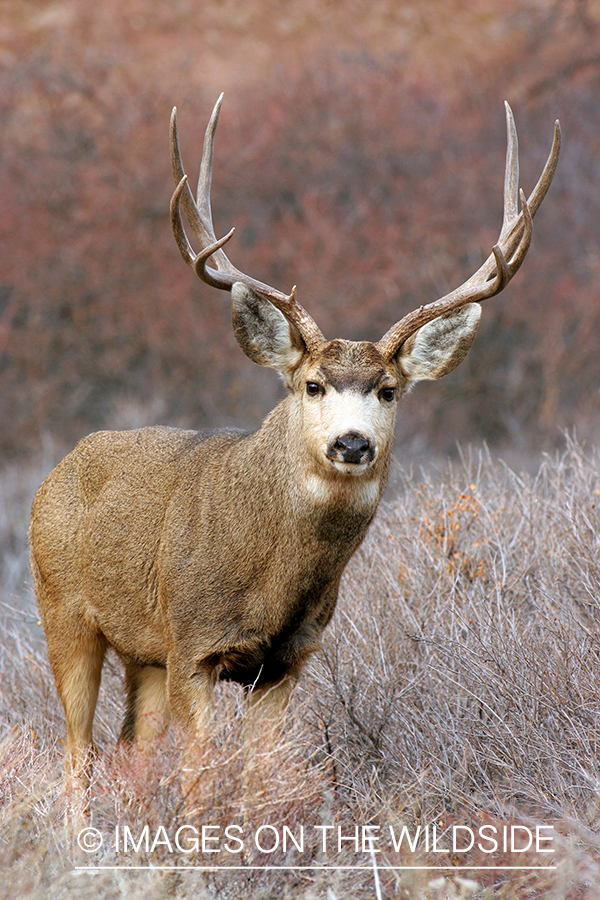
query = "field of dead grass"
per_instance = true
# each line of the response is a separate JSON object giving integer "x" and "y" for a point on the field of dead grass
{"x": 457, "y": 688}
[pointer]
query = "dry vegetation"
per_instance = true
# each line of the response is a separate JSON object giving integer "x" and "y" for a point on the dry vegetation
{"x": 458, "y": 684}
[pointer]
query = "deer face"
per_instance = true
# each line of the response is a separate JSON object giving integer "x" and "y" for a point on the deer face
{"x": 346, "y": 392}
{"x": 348, "y": 396}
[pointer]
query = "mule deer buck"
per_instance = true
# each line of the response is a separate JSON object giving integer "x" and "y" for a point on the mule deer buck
{"x": 207, "y": 556}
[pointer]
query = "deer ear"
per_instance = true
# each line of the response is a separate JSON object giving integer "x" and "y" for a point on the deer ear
{"x": 438, "y": 347}
{"x": 264, "y": 333}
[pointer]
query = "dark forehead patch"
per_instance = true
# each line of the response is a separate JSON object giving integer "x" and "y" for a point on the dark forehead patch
{"x": 350, "y": 365}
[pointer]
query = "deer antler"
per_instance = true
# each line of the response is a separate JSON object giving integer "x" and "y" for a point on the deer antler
{"x": 222, "y": 274}
{"x": 506, "y": 256}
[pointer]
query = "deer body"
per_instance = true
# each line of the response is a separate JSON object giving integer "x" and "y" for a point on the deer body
{"x": 209, "y": 556}
{"x": 156, "y": 518}
{"x": 201, "y": 557}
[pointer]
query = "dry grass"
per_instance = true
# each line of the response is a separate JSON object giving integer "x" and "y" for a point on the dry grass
{"x": 457, "y": 686}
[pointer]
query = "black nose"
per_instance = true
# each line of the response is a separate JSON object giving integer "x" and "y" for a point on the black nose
{"x": 353, "y": 448}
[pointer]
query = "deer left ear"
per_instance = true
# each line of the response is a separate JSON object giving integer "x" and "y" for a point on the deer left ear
{"x": 264, "y": 333}
{"x": 438, "y": 347}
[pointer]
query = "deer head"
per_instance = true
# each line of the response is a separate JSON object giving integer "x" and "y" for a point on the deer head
{"x": 347, "y": 391}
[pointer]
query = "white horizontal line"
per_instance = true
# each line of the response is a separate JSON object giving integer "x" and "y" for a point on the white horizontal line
{"x": 380, "y": 868}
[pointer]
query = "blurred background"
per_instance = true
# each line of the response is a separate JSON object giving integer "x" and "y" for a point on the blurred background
{"x": 360, "y": 155}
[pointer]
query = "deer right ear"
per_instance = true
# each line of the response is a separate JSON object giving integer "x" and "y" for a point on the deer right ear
{"x": 264, "y": 333}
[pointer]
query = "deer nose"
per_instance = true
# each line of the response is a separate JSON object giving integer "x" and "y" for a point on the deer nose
{"x": 352, "y": 448}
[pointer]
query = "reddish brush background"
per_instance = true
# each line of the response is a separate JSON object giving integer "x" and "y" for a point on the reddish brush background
{"x": 360, "y": 155}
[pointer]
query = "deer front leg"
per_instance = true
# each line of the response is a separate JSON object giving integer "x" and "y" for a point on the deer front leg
{"x": 190, "y": 691}
{"x": 267, "y": 703}
{"x": 265, "y": 713}
{"x": 147, "y": 711}
{"x": 262, "y": 732}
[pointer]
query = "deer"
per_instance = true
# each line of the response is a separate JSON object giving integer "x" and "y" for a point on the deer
{"x": 208, "y": 556}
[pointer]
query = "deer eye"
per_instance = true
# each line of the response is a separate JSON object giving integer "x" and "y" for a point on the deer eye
{"x": 387, "y": 394}
{"x": 312, "y": 388}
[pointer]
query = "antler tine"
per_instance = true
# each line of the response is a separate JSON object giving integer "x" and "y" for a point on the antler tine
{"x": 185, "y": 248}
{"x": 511, "y": 175}
{"x": 545, "y": 179}
{"x": 507, "y": 255}
{"x": 198, "y": 213}
{"x": 206, "y": 164}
